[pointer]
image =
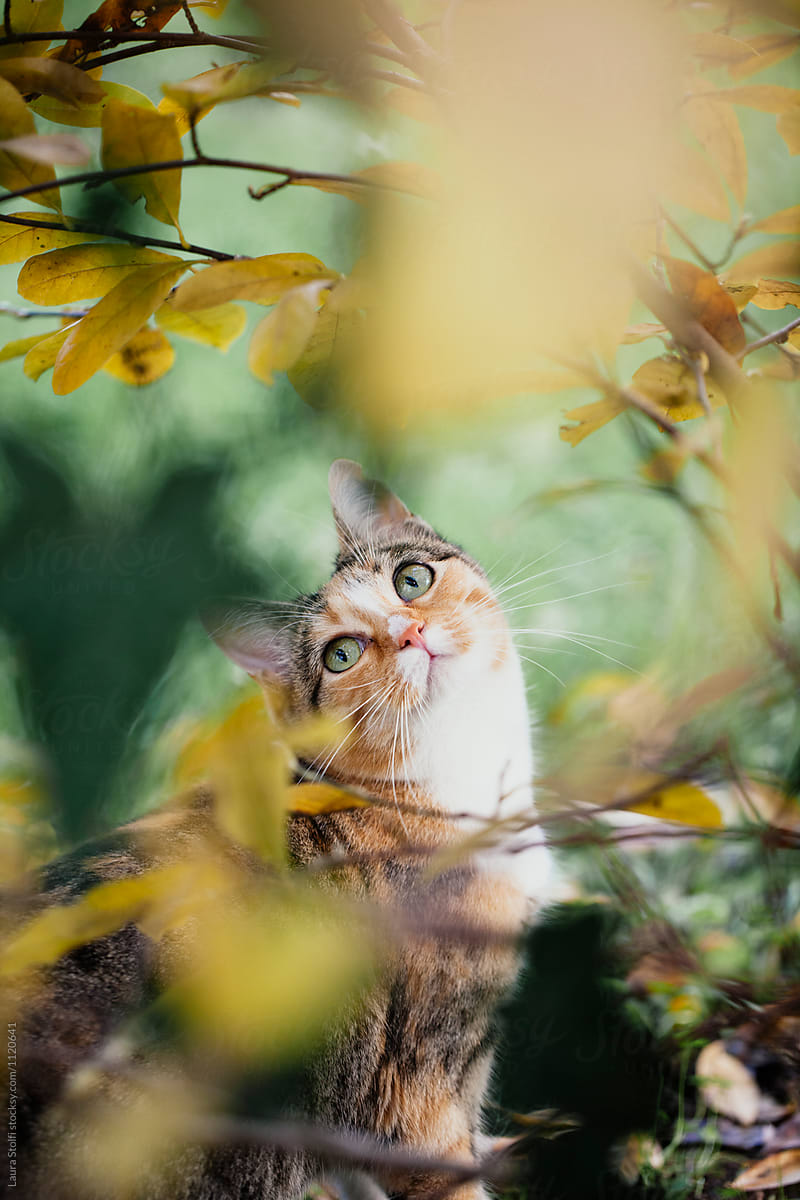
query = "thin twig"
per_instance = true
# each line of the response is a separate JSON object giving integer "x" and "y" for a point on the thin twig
{"x": 400, "y": 80}
{"x": 777, "y": 336}
{"x": 700, "y": 383}
{"x": 390, "y": 52}
{"x": 24, "y": 314}
{"x": 422, "y": 58}
{"x": 117, "y": 36}
{"x": 98, "y": 178}
{"x": 687, "y": 241}
{"x": 122, "y": 235}
{"x": 187, "y": 12}
{"x": 7, "y": 19}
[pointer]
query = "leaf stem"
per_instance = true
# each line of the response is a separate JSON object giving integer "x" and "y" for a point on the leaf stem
{"x": 121, "y": 235}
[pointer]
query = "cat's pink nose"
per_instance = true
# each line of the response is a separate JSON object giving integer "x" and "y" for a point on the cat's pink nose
{"x": 412, "y": 636}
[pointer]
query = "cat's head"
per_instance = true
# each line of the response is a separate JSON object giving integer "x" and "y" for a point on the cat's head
{"x": 406, "y": 624}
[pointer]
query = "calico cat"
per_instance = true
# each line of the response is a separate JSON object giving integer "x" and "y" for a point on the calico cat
{"x": 408, "y": 641}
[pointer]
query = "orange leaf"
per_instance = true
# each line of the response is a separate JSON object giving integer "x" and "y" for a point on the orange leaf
{"x": 708, "y": 302}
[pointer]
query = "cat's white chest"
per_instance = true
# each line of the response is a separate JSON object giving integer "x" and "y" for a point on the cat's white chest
{"x": 473, "y": 753}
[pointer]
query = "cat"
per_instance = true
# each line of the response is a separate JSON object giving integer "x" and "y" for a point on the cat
{"x": 408, "y": 640}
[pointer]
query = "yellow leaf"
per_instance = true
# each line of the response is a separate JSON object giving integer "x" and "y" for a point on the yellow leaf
{"x": 21, "y": 346}
{"x": 781, "y": 258}
{"x": 327, "y": 350}
{"x": 88, "y": 116}
{"x": 719, "y": 50}
{"x": 776, "y": 293}
{"x": 716, "y": 128}
{"x": 105, "y": 908}
{"x": 16, "y": 172}
{"x": 49, "y": 148}
{"x": 53, "y": 78}
{"x": 787, "y": 220}
{"x": 677, "y": 801}
{"x": 281, "y": 337}
{"x": 741, "y": 293}
{"x": 19, "y": 242}
{"x": 776, "y": 1171}
{"x": 768, "y": 49}
{"x": 247, "y": 767}
{"x": 142, "y": 360}
{"x": 218, "y": 326}
{"x": 133, "y": 135}
{"x": 418, "y": 105}
{"x": 590, "y": 418}
{"x": 788, "y": 126}
{"x": 313, "y": 798}
{"x": 32, "y": 16}
{"x": 42, "y": 356}
{"x": 111, "y": 323}
{"x": 766, "y": 97}
{"x": 689, "y": 179}
{"x": 231, "y": 82}
{"x": 671, "y": 385}
{"x": 264, "y": 280}
{"x": 82, "y": 272}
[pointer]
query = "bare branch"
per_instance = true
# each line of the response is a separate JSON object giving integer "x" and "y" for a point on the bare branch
{"x": 24, "y": 314}
{"x": 98, "y": 178}
{"x": 777, "y": 336}
{"x": 422, "y": 58}
{"x": 115, "y": 37}
{"x": 122, "y": 235}
{"x": 401, "y": 80}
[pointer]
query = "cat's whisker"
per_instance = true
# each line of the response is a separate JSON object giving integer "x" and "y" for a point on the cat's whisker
{"x": 567, "y": 633}
{"x": 542, "y": 667}
{"x": 373, "y": 703}
{"x": 505, "y": 582}
{"x": 595, "y": 650}
{"x": 502, "y": 589}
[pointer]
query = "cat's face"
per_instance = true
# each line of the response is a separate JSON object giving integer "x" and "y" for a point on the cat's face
{"x": 406, "y": 625}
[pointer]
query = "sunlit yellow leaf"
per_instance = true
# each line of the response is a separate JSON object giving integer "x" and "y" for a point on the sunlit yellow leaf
{"x": 769, "y": 48}
{"x": 788, "y": 126}
{"x": 787, "y": 220}
{"x": 781, "y": 258}
{"x": 314, "y": 798}
{"x": 671, "y": 385}
{"x": 49, "y": 148}
{"x": 22, "y": 345}
{"x": 15, "y": 171}
{"x": 776, "y": 293}
{"x": 678, "y": 801}
{"x": 144, "y": 359}
{"x": 590, "y": 418}
{"x": 111, "y": 323}
{"x": 766, "y": 97}
{"x": 776, "y": 1171}
{"x": 716, "y": 127}
{"x": 42, "y": 356}
{"x": 19, "y": 242}
{"x": 58, "y": 79}
{"x": 719, "y": 50}
{"x": 218, "y": 326}
{"x": 88, "y": 116}
{"x": 264, "y": 280}
{"x": 301, "y": 963}
{"x": 32, "y": 16}
{"x": 281, "y": 337}
{"x": 231, "y": 82}
{"x": 82, "y": 272}
{"x": 134, "y": 135}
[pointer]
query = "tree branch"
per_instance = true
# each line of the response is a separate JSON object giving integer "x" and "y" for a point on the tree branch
{"x": 777, "y": 336}
{"x": 121, "y": 235}
{"x": 421, "y": 56}
{"x": 24, "y": 314}
{"x": 117, "y": 36}
{"x": 98, "y": 178}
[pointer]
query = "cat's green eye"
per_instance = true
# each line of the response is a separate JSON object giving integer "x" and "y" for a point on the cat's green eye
{"x": 412, "y": 581}
{"x": 342, "y": 653}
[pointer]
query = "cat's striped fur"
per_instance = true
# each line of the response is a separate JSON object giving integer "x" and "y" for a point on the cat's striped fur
{"x": 439, "y": 729}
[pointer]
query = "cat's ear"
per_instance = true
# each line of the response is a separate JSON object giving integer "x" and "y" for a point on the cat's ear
{"x": 364, "y": 508}
{"x": 244, "y": 630}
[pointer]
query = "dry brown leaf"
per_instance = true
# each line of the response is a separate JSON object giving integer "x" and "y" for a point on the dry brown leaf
{"x": 774, "y": 1171}
{"x": 708, "y": 302}
{"x": 776, "y": 293}
{"x": 787, "y": 220}
{"x": 716, "y": 127}
{"x": 726, "y": 1085}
